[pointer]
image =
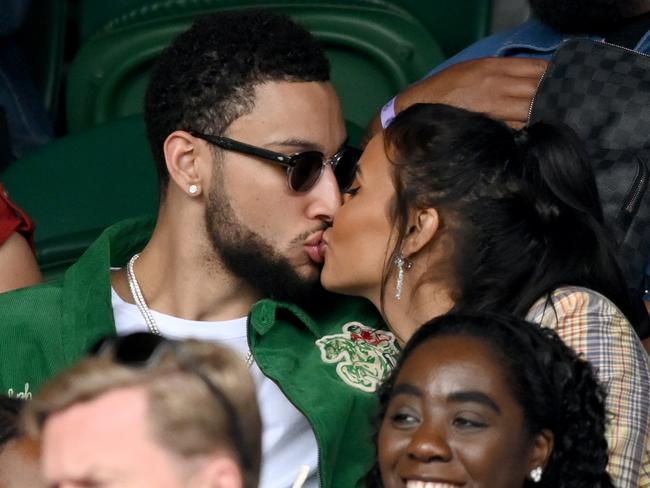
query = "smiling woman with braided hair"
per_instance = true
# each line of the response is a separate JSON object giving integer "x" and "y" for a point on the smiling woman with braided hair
{"x": 491, "y": 401}
{"x": 454, "y": 211}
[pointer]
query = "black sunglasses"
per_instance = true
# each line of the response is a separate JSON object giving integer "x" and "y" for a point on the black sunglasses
{"x": 144, "y": 350}
{"x": 304, "y": 169}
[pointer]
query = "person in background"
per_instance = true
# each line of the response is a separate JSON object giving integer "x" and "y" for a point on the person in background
{"x": 499, "y": 75}
{"x": 146, "y": 411}
{"x": 24, "y": 122}
{"x": 18, "y": 267}
{"x": 452, "y": 210}
{"x": 491, "y": 401}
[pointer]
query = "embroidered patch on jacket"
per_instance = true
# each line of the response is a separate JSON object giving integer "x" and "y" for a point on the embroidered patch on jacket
{"x": 364, "y": 356}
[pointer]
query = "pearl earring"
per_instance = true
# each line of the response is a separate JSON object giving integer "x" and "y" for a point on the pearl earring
{"x": 194, "y": 189}
{"x": 536, "y": 474}
{"x": 403, "y": 265}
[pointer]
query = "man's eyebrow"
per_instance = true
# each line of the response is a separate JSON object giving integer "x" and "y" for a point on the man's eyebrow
{"x": 474, "y": 397}
{"x": 406, "y": 389}
{"x": 303, "y": 144}
{"x": 294, "y": 142}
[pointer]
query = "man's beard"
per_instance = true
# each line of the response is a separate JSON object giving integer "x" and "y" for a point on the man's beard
{"x": 247, "y": 255}
{"x": 584, "y": 16}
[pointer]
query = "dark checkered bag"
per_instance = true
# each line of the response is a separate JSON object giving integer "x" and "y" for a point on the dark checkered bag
{"x": 603, "y": 92}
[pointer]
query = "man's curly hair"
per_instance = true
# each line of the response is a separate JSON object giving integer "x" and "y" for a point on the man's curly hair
{"x": 206, "y": 78}
{"x": 555, "y": 388}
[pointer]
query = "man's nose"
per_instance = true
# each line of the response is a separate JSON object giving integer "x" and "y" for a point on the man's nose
{"x": 324, "y": 197}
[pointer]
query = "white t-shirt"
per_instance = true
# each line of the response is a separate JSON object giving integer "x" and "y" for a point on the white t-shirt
{"x": 288, "y": 441}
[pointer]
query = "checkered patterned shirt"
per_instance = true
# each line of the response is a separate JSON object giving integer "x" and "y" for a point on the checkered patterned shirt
{"x": 593, "y": 326}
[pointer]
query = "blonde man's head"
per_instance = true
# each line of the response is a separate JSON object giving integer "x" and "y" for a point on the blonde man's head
{"x": 189, "y": 387}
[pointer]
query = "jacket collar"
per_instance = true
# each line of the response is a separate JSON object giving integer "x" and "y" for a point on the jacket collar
{"x": 537, "y": 37}
{"x": 534, "y": 36}
{"x": 87, "y": 283}
{"x": 264, "y": 315}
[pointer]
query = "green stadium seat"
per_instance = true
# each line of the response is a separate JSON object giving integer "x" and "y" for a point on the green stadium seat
{"x": 375, "y": 49}
{"x": 454, "y": 23}
{"x": 94, "y": 15}
{"x": 78, "y": 185}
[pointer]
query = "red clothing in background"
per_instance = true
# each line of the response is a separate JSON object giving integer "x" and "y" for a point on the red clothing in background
{"x": 12, "y": 219}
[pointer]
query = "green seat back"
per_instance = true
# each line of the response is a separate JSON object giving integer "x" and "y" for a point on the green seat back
{"x": 78, "y": 185}
{"x": 454, "y": 23}
{"x": 94, "y": 15}
{"x": 375, "y": 51}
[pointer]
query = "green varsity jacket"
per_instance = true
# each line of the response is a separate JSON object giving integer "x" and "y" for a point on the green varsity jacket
{"x": 328, "y": 363}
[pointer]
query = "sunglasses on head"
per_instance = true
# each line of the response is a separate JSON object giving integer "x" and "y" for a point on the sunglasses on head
{"x": 144, "y": 350}
{"x": 304, "y": 169}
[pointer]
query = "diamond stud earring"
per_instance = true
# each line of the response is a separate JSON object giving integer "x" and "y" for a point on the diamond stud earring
{"x": 536, "y": 474}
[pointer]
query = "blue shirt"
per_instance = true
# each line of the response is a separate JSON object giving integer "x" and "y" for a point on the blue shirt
{"x": 532, "y": 39}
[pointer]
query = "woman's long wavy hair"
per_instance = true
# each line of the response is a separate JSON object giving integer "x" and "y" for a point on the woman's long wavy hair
{"x": 520, "y": 209}
{"x": 556, "y": 390}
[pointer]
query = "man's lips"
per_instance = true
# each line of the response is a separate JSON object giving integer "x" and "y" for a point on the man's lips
{"x": 315, "y": 247}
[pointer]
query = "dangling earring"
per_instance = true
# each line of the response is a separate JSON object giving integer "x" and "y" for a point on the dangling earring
{"x": 536, "y": 474}
{"x": 403, "y": 265}
{"x": 194, "y": 189}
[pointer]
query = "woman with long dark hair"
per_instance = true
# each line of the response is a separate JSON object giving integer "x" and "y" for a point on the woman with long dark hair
{"x": 452, "y": 210}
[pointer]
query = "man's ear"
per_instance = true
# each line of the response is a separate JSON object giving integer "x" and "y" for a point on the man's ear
{"x": 422, "y": 227}
{"x": 541, "y": 450}
{"x": 221, "y": 471}
{"x": 183, "y": 157}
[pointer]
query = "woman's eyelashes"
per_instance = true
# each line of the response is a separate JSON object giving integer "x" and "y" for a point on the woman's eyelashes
{"x": 404, "y": 420}
{"x": 354, "y": 187}
{"x": 468, "y": 420}
{"x": 404, "y": 417}
{"x": 352, "y": 191}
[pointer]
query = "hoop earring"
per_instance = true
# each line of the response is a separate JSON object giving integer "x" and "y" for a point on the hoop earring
{"x": 403, "y": 265}
{"x": 536, "y": 474}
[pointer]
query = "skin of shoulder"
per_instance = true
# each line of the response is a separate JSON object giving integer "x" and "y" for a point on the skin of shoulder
{"x": 18, "y": 264}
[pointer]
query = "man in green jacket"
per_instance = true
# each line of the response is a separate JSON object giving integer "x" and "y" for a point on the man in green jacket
{"x": 249, "y": 141}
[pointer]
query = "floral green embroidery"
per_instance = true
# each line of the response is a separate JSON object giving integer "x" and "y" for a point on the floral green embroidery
{"x": 364, "y": 356}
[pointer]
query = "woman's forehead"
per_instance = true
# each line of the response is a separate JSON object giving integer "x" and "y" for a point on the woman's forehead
{"x": 447, "y": 364}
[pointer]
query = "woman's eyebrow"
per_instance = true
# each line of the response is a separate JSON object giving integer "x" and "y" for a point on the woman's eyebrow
{"x": 474, "y": 397}
{"x": 406, "y": 389}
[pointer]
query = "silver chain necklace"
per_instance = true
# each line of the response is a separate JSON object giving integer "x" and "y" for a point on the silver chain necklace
{"x": 136, "y": 292}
